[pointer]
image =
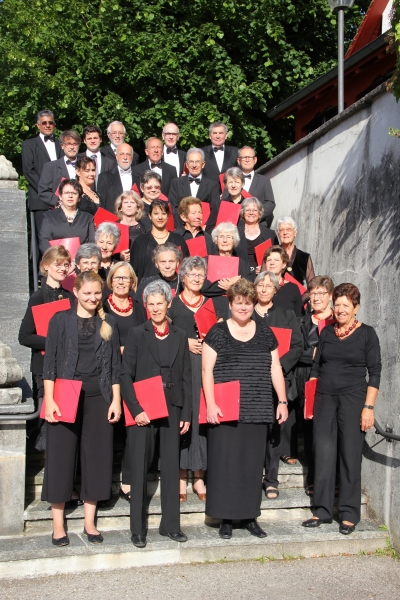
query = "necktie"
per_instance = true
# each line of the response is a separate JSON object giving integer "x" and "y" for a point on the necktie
{"x": 220, "y": 148}
{"x": 94, "y": 157}
{"x": 71, "y": 162}
{"x": 247, "y": 176}
{"x": 196, "y": 180}
{"x": 152, "y": 165}
{"x": 49, "y": 137}
{"x": 174, "y": 150}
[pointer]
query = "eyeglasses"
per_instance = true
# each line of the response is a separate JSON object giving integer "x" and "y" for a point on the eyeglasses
{"x": 265, "y": 286}
{"x": 71, "y": 144}
{"x": 225, "y": 238}
{"x": 148, "y": 188}
{"x": 118, "y": 133}
{"x": 46, "y": 123}
{"x": 61, "y": 267}
{"x": 246, "y": 157}
{"x": 250, "y": 210}
{"x": 170, "y": 133}
{"x": 318, "y": 294}
{"x": 286, "y": 230}
{"x": 195, "y": 276}
{"x": 86, "y": 264}
{"x": 121, "y": 278}
{"x": 194, "y": 162}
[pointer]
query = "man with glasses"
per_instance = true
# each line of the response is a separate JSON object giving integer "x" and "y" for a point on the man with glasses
{"x": 259, "y": 186}
{"x": 116, "y": 134}
{"x": 194, "y": 184}
{"x": 63, "y": 168}
{"x": 120, "y": 179}
{"x": 172, "y": 155}
{"x": 154, "y": 162}
{"x": 219, "y": 157}
{"x": 36, "y": 152}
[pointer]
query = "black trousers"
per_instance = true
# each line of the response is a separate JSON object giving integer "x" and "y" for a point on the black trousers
{"x": 95, "y": 434}
{"x": 337, "y": 431}
{"x": 141, "y": 446}
{"x": 272, "y": 454}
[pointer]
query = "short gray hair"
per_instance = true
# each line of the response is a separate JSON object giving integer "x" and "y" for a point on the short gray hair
{"x": 217, "y": 124}
{"x": 230, "y": 228}
{"x": 197, "y": 150}
{"x": 87, "y": 251}
{"x": 287, "y": 220}
{"x": 44, "y": 113}
{"x": 190, "y": 263}
{"x": 115, "y": 123}
{"x": 234, "y": 172}
{"x": 167, "y": 247}
{"x": 273, "y": 278}
{"x": 247, "y": 201}
{"x": 109, "y": 229}
{"x": 158, "y": 286}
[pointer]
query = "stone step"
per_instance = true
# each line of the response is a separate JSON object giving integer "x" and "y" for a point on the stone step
{"x": 292, "y": 505}
{"x": 34, "y": 555}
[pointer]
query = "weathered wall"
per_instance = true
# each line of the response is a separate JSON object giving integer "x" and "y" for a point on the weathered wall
{"x": 342, "y": 186}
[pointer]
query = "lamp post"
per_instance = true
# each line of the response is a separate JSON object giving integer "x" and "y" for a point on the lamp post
{"x": 339, "y": 6}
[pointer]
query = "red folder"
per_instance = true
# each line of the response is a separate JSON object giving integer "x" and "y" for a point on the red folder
{"x": 205, "y": 318}
{"x": 197, "y": 246}
{"x": 162, "y": 197}
{"x": 171, "y": 222}
{"x": 246, "y": 194}
{"x": 290, "y": 278}
{"x": 227, "y": 398}
{"x": 221, "y": 181}
{"x": 260, "y": 251}
{"x": 151, "y": 397}
{"x": 68, "y": 283}
{"x": 124, "y": 242}
{"x": 135, "y": 189}
{"x": 66, "y": 396}
{"x": 310, "y": 389}
{"x": 43, "y": 313}
{"x": 220, "y": 267}
{"x": 57, "y": 192}
{"x": 228, "y": 213}
{"x": 324, "y": 323}
{"x": 283, "y": 336}
{"x": 71, "y": 244}
{"x": 104, "y": 216}
{"x": 206, "y": 212}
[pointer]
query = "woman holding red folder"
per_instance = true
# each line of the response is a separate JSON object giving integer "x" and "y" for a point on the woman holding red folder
{"x": 300, "y": 264}
{"x": 245, "y": 350}
{"x": 82, "y": 345}
{"x": 288, "y": 296}
{"x": 252, "y": 232}
{"x": 226, "y": 239}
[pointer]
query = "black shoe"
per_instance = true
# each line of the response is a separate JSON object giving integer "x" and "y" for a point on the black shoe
{"x": 73, "y": 503}
{"x": 254, "y": 528}
{"x": 103, "y": 503}
{"x": 93, "y": 538}
{"x": 225, "y": 530}
{"x": 176, "y": 537}
{"x": 125, "y": 495}
{"x": 316, "y": 522}
{"x": 346, "y": 529}
{"x": 63, "y": 541}
{"x": 139, "y": 541}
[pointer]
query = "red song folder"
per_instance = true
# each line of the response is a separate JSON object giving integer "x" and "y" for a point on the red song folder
{"x": 124, "y": 242}
{"x": 227, "y": 398}
{"x": 57, "y": 192}
{"x": 228, "y": 213}
{"x": 197, "y": 246}
{"x": 42, "y": 314}
{"x": 324, "y": 323}
{"x": 71, "y": 244}
{"x": 171, "y": 222}
{"x": 104, "y": 216}
{"x": 290, "y": 278}
{"x": 162, "y": 197}
{"x": 151, "y": 397}
{"x": 66, "y": 396}
{"x": 220, "y": 267}
{"x": 205, "y": 318}
{"x": 283, "y": 336}
{"x": 260, "y": 251}
{"x": 221, "y": 181}
{"x": 68, "y": 283}
{"x": 246, "y": 194}
{"x": 206, "y": 212}
{"x": 135, "y": 189}
{"x": 310, "y": 389}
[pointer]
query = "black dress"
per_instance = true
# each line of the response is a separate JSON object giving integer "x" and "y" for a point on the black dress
{"x": 86, "y": 204}
{"x": 236, "y": 450}
{"x": 55, "y": 226}
{"x": 288, "y": 296}
{"x": 125, "y": 322}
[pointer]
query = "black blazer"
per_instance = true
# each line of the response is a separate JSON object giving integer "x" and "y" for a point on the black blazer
{"x": 50, "y": 179}
{"x": 182, "y": 160}
{"x": 108, "y": 152}
{"x": 109, "y": 187}
{"x": 141, "y": 361}
{"x": 208, "y": 191}
{"x": 261, "y": 189}
{"x": 211, "y": 168}
{"x": 168, "y": 174}
{"x": 141, "y": 253}
{"x": 62, "y": 351}
{"x": 34, "y": 157}
{"x": 106, "y": 163}
{"x": 55, "y": 226}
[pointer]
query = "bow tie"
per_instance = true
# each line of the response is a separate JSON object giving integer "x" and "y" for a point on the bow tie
{"x": 49, "y": 137}
{"x": 152, "y": 165}
{"x": 127, "y": 171}
{"x": 71, "y": 162}
{"x": 247, "y": 176}
{"x": 174, "y": 150}
{"x": 222, "y": 148}
{"x": 195, "y": 179}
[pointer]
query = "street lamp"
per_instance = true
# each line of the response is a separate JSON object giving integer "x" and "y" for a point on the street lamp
{"x": 340, "y": 6}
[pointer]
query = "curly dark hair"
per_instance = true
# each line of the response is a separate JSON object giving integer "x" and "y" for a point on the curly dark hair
{"x": 243, "y": 288}
{"x": 349, "y": 290}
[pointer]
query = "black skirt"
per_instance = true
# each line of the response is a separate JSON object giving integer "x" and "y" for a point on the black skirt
{"x": 236, "y": 454}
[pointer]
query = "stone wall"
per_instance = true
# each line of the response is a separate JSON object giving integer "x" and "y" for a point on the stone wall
{"x": 342, "y": 186}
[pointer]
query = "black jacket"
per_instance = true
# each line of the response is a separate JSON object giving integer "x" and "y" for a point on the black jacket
{"x": 168, "y": 174}
{"x": 141, "y": 361}
{"x": 208, "y": 191}
{"x": 62, "y": 351}
{"x": 108, "y": 152}
{"x": 50, "y": 179}
{"x": 181, "y": 157}
{"x": 109, "y": 187}
{"x": 211, "y": 168}
{"x": 106, "y": 163}
{"x": 34, "y": 157}
{"x": 55, "y": 226}
{"x": 141, "y": 253}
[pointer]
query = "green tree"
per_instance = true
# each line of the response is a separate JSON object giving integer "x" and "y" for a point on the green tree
{"x": 149, "y": 63}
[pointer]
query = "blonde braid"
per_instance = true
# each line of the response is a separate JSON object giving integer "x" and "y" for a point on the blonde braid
{"x": 106, "y": 330}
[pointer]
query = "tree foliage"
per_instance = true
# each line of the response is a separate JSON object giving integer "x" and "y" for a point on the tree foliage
{"x": 146, "y": 63}
{"x": 394, "y": 44}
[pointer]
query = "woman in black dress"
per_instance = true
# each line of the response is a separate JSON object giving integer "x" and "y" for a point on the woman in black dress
{"x": 86, "y": 175}
{"x": 82, "y": 344}
{"x": 129, "y": 210}
{"x": 226, "y": 239}
{"x": 166, "y": 258}
{"x": 245, "y": 350}
{"x": 300, "y": 265}
{"x": 288, "y": 296}
{"x": 67, "y": 220}
{"x": 107, "y": 239}
{"x": 343, "y": 409}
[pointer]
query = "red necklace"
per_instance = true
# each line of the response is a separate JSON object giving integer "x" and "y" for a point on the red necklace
{"x": 342, "y": 335}
{"x": 197, "y": 304}
{"x": 322, "y": 318}
{"x": 120, "y": 310}
{"x": 159, "y": 333}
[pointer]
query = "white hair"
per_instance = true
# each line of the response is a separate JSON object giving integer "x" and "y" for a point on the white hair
{"x": 197, "y": 151}
{"x": 110, "y": 230}
{"x": 287, "y": 220}
{"x": 229, "y": 228}
{"x": 217, "y": 124}
{"x": 115, "y": 123}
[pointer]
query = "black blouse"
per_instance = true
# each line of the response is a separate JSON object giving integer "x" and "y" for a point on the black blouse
{"x": 288, "y": 296}
{"x": 55, "y": 226}
{"x": 86, "y": 368}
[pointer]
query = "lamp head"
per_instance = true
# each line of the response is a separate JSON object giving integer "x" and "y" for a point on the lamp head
{"x": 337, "y": 5}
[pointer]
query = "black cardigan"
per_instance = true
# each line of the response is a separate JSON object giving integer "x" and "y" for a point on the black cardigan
{"x": 141, "y": 260}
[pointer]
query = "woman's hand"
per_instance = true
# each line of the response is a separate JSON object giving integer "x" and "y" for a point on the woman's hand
{"x": 258, "y": 270}
{"x": 71, "y": 268}
{"x": 367, "y": 419}
{"x": 282, "y": 413}
{"x": 213, "y": 412}
{"x": 226, "y": 283}
{"x": 114, "y": 412}
{"x": 142, "y": 419}
{"x": 51, "y": 408}
{"x": 125, "y": 255}
{"x": 184, "y": 426}
{"x": 195, "y": 346}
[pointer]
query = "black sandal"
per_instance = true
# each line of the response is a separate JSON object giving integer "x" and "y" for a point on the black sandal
{"x": 271, "y": 490}
{"x": 287, "y": 459}
{"x": 309, "y": 490}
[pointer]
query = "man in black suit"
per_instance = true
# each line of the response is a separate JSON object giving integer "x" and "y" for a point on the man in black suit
{"x": 172, "y": 155}
{"x": 218, "y": 156}
{"x": 116, "y": 134}
{"x": 257, "y": 185}
{"x": 154, "y": 162}
{"x": 195, "y": 184}
{"x": 120, "y": 179}
{"x": 36, "y": 152}
{"x": 63, "y": 168}
{"x": 92, "y": 139}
